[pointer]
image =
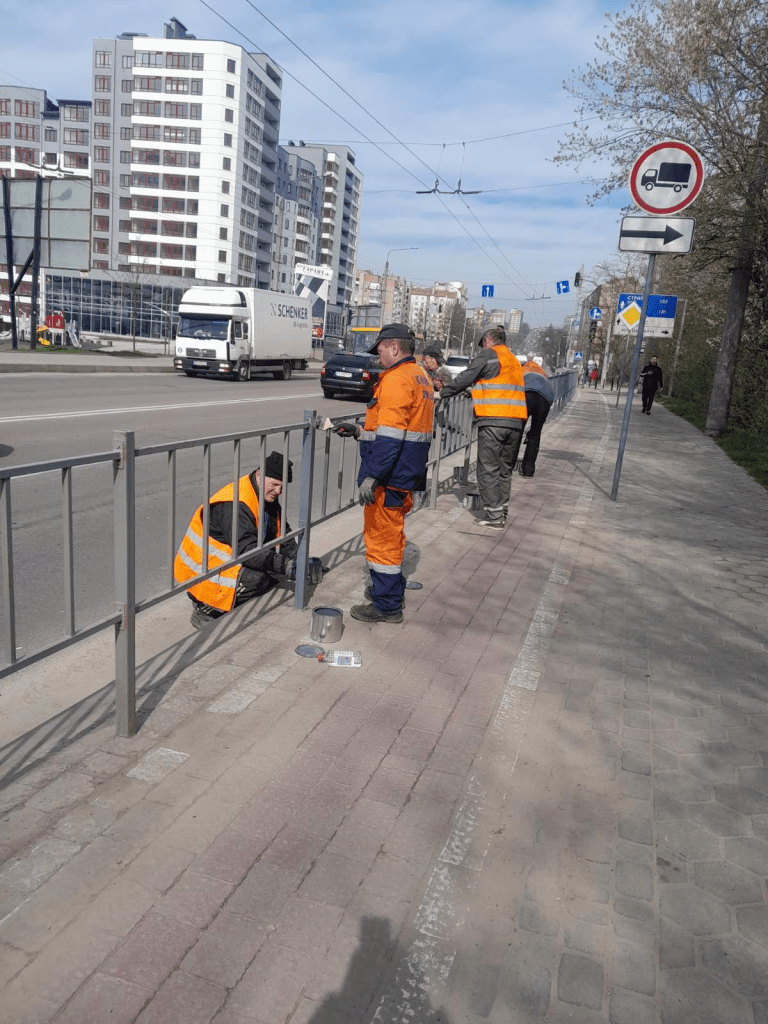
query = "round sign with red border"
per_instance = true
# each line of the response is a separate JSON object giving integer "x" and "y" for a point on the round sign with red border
{"x": 667, "y": 177}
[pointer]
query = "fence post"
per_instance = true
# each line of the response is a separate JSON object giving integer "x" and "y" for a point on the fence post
{"x": 124, "y": 491}
{"x": 305, "y": 507}
{"x": 438, "y": 443}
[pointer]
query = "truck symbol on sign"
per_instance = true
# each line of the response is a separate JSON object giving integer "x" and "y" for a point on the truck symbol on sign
{"x": 667, "y": 175}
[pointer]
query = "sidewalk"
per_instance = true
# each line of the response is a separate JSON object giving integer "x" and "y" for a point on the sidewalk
{"x": 110, "y": 360}
{"x": 544, "y": 797}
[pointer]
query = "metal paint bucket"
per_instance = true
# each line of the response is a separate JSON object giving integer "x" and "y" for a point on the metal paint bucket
{"x": 314, "y": 571}
{"x": 472, "y": 502}
{"x": 327, "y": 625}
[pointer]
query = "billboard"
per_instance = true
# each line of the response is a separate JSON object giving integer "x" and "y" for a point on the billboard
{"x": 314, "y": 283}
{"x": 65, "y": 224}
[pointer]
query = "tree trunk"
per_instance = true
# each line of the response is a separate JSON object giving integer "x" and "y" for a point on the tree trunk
{"x": 738, "y": 291}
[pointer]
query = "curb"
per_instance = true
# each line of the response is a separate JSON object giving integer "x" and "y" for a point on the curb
{"x": 34, "y": 368}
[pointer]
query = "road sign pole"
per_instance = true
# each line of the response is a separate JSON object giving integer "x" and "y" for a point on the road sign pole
{"x": 632, "y": 376}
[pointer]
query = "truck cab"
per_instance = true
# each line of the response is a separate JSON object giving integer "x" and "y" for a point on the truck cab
{"x": 213, "y": 333}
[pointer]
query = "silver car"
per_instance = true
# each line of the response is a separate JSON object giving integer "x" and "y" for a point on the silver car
{"x": 455, "y": 365}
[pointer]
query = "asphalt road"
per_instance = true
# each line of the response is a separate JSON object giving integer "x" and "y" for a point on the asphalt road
{"x": 50, "y": 416}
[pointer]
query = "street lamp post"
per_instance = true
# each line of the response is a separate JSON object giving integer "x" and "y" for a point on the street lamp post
{"x": 406, "y": 248}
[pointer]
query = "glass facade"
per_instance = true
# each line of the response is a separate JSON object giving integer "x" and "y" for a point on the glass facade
{"x": 105, "y": 306}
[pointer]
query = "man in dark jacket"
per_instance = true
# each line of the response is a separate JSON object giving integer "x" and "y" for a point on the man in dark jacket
{"x": 653, "y": 379}
{"x": 498, "y": 395}
{"x": 539, "y": 396}
{"x": 257, "y": 572}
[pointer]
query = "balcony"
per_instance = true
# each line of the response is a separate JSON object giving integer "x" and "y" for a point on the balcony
{"x": 271, "y": 110}
{"x": 270, "y": 134}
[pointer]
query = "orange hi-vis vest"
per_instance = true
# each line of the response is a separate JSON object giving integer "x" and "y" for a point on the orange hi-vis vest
{"x": 503, "y": 396}
{"x": 531, "y": 367}
{"x": 218, "y": 591}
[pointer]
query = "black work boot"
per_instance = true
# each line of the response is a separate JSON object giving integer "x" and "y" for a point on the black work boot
{"x": 370, "y": 613}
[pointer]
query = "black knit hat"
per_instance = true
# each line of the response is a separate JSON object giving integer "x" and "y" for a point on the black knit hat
{"x": 436, "y": 354}
{"x": 273, "y": 466}
{"x": 392, "y": 331}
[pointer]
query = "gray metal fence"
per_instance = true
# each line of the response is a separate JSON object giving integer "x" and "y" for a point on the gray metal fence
{"x": 328, "y": 468}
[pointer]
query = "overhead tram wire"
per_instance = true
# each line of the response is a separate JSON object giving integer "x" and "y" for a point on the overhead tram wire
{"x": 361, "y": 132}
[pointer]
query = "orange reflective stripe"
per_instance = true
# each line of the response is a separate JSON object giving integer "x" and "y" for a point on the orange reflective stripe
{"x": 502, "y": 396}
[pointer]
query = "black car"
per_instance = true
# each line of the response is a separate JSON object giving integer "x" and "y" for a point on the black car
{"x": 350, "y": 374}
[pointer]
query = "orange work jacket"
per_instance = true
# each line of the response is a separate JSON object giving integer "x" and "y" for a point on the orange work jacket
{"x": 219, "y": 590}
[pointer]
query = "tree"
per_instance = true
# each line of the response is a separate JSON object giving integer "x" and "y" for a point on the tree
{"x": 699, "y": 72}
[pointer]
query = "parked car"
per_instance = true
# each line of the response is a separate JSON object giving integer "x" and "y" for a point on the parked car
{"x": 348, "y": 373}
{"x": 456, "y": 365}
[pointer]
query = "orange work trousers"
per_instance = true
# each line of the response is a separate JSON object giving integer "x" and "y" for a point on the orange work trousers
{"x": 384, "y": 536}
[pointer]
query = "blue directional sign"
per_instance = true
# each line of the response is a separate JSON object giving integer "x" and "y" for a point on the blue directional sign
{"x": 660, "y": 318}
{"x": 488, "y": 291}
{"x": 578, "y": 355}
{"x": 595, "y": 313}
{"x": 563, "y": 287}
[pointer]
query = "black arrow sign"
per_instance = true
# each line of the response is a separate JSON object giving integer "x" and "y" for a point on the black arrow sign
{"x": 668, "y": 234}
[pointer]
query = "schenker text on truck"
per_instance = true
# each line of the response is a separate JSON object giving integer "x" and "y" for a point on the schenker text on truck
{"x": 237, "y": 332}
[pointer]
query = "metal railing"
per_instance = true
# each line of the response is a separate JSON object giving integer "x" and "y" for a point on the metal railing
{"x": 327, "y": 487}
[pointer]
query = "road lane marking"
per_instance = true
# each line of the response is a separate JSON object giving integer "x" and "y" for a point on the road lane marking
{"x": 36, "y": 417}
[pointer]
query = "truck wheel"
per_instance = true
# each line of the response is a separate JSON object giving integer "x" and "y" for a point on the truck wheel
{"x": 243, "y": 371}
{"x": 678, "y": 188}
{"x": 649, "y": 187}
{"x": 287, "y": 371}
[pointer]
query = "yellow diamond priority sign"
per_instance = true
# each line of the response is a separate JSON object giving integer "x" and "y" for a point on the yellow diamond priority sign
{"x": 630, "y": 315}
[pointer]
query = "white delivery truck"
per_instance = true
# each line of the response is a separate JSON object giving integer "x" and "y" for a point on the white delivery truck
{"x": 234, "y": 332}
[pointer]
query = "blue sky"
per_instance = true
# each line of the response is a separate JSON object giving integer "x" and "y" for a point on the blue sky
{"x": 433, "y": 72}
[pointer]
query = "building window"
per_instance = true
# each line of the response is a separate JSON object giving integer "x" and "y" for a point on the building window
{"x": 225, "y": 187}
{"x": 77, "y": 160}
{"x": 126, "y": 133}
{"x": 146, "y": 203}
{"x": 177, "y": 110}
{"x": 147, "y": 132}
{"x": 5, "y": 131}
{"x": 127, "y": 85}
{"x": 190, "y": 253}
{"x": 172, "y": 227}
{"x": 147, "y": 83}
{"x": 222, "y": 256}
{"x": 173, "y": 134}
{"x": 227, "y": 139}
{"x": 196, "y": 111}
{"x": 198, "y": 61}
{"x": 177, "y": 85}
{"x": 27, "y": 156}
{"x": 145, "y": 156}
{"x": 224, "y": 210}
{"x": 75, "y": 137}
{"x": 128, "y": 60}
{"x": 226, "y": 164}
{"x": 196, "y": 86}
{"x": 50, "y": 134}
{"x": 101, "y": 245}
{"x": 125, "y": 156}
{"x": 177, "y": 60}
{"x": 144, "y": 180}
{"x": 101, "y": 178}
{"x": 221, "y": 278}
{"x": 101, "y": 130}
{"x": 103, "y": 59}
{"x": 229, "y": 115}
{"x": 25, "y": 108}
{"x": 231, "y": 67}
{"x": 148, "y": 59}
{"x": 103, "y": 108}
{"x": 231, "y": 91}
{"x": 172, "y": 205}
{"x": 27, "y": 132}
{"x": 126, "y": 109}
{"x": 102, "y": 83}
{"x": 126, "y": 180}
{"x": 143, "y": 226}
{"x": 170, "y": 251}
{"x": 101, "y": 223}
{"x": 175, "y": 182}
{"x": 144, "y": 249}
{"x": 194, "y": 159}
{"x": 174, "y": 158}
{"x": 223, "y": 232}
{"x": 5, "y": 154}
{"x": 147, "y": 108}
{"x": 192, "y": 207}
{"x": 194, "y": 136}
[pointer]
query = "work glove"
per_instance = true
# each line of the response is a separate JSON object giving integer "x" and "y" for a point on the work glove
{"x": 366, "y": 492}
{"x": 283, "y": 566}
{"x": 348, "y": 430}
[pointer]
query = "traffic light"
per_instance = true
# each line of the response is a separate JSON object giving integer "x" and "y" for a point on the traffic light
{"x": 592, "y": 330}
{"x": 577, "y": 280}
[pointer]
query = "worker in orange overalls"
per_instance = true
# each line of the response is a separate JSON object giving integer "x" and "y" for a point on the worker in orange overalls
{"x": 498, "y": 395}
{"x": 255, "y": 573}
{"x": 394, "y": 449}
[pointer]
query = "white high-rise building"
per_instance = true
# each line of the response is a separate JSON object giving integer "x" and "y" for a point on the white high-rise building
{"x": 184, "y": 157}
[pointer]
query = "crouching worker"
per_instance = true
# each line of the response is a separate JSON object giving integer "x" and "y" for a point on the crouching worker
{"x": 256, "y": 573}
{"x": 394, "y": 450}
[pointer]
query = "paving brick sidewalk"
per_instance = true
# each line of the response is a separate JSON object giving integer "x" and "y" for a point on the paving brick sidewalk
{"x": 543, "y": 798}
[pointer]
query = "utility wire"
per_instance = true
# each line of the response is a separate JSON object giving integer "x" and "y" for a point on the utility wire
{"x": 356, "y": 129}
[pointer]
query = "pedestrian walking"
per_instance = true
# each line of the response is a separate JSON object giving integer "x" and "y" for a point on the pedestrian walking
{"x": 394, "y": 450}
{"x": 254, "y": 574}
{"x": 495, "y": 378}
{"x": 652, "y": 378}
{"x": 593, "y": 376}
{"x": 539, "y": 396}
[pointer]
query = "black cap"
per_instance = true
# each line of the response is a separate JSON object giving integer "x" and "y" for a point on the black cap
{"x": 273, "y": 466}
{"x": 435, "y": 353}
{"x": 399, "y": 331}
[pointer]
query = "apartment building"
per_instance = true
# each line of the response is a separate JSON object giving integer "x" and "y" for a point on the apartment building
{"x": 298, "y": 207}
{"x": 391, "y": 293}
{"x": 432, "y": 311}
{"x": 184, "y": 157}
{"x": 340, "y": 222}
